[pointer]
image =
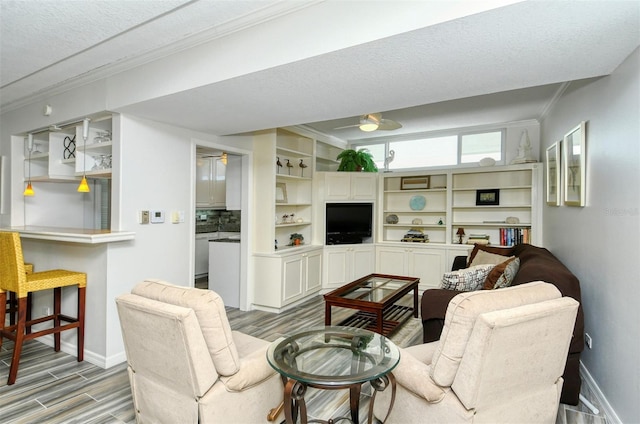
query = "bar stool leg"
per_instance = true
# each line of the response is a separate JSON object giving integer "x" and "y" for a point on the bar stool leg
{"x": 3, "y": 311}
{"x": 57, "y": 295}
{"x": 81, "y": 306}
{"x": 17, "y": 348}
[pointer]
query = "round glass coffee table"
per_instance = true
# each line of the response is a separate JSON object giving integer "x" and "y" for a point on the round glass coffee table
{"x": 333, "y": 358}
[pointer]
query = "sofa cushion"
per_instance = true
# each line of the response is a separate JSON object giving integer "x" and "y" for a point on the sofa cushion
{"x": 483, "y": 257}
{"x": 467, "y": 279}
{"x": 504, "y": 251}
{"x": 461, "y": 316}
{"x": 496, "y": 272}
{"x": 211, "y": 315}
{"x": 508, "y": 275}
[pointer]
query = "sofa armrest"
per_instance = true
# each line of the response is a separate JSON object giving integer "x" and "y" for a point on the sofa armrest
{"x": 459, "y": 262}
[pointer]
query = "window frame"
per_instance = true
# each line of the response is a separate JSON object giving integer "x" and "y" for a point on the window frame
{"x": 417, "y": 136}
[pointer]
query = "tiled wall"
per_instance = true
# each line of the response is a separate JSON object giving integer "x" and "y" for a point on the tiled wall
{"x": 217, "y": 220}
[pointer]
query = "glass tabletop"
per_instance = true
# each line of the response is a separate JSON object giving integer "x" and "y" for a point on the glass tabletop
{"x": 333, "y": 356}
{"x": 372, "y": 289}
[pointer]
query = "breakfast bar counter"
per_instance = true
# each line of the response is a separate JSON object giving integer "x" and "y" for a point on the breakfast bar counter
{"x": 72, "y": 235}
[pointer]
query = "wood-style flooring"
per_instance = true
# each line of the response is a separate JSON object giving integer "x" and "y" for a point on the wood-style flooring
{"x": 52, "y": 387}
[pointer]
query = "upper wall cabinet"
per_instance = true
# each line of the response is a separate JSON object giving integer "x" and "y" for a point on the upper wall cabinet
{"x": 210, "y": 182}
{"x": 61, "y": 155}
{"x": 350, "y": 185}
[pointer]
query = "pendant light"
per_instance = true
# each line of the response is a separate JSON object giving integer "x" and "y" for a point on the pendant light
{"x": 28, "y": 192}
{"x": 84, "y": 186}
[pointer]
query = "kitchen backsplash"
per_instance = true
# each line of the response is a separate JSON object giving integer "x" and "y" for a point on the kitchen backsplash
{"x": 214, "y": 220}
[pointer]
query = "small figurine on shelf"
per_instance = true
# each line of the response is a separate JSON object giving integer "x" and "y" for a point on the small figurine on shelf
{"x": 302, "y": 166}
{"x": 285, "y": 218}
{"x": 278, "y": 164}
{"x": 296, "y": 239}
{"x": 289, "y": 166}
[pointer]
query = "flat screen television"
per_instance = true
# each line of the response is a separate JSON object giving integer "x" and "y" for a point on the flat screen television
{"x": 348, "y": 223}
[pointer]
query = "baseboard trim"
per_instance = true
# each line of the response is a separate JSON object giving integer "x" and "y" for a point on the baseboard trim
{"x": 607, "y": 409}
{"x": 91, "y": 357}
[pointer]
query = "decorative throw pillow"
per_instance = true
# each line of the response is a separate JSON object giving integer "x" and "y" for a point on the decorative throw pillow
{"x": 467, "y": 279}
{"x": 483, "y": 257}
{"x": 509, "y": 273}
{"x": 505, "y": 251}
{"x": 496, "y": 272}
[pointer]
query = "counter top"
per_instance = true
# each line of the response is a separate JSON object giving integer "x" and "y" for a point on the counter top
{"x": 73, "y": 235}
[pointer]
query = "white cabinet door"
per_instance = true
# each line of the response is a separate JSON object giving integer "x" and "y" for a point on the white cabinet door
{"x": 428, "y": 265}
{"x": 292, "y": 278}
{"x": 350, "y": 186}
{"x": 338, "y": 186}
{"x": 347, "y": 263}
{"x": 363, "y": 186}
{"x": 202, "y": 256}
{"x": 391, "y": 260}
{"x": 313, "y": 271}
{"x": 203, "y": 181}
{"x": 362, "y": 261}
{"x": 218, "y": 184}
{"x": 336, "y": 269}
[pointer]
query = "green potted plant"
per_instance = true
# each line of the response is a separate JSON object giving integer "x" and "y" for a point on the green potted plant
{"x": 296, "y": 239}
{"x": 356, "y": 161}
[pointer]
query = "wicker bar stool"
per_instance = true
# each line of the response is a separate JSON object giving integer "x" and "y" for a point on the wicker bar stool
{"x": 13, "y": 278}
{"x": 12, "y": 303}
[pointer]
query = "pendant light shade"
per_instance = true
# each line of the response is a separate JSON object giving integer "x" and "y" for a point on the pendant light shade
{"x": 84, "y": 186}
{"x": 28, "y": 192}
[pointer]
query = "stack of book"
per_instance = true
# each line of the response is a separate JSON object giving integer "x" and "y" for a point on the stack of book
{"x": 478, "y": 238}
{"x": 513, "y": 236}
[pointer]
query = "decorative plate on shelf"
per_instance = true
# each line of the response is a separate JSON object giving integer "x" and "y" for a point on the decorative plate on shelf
{"x": 417, "y": 203}
{"x": 392, "y": 219}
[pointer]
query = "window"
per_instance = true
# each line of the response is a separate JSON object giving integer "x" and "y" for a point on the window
{"x": 478, "y": 146}
{"x": 447, "y": 150}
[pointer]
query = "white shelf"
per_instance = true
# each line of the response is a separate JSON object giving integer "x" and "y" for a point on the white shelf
{"x": 294, "y": 224}
{"x": 492, "y": 224}
{"x": 492, "y": 207}
{"x": 291, "y": 152}
{"x": 518, "y": 187}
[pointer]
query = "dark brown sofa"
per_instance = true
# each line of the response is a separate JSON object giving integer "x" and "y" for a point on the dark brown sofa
{"x": 536, "y": 263}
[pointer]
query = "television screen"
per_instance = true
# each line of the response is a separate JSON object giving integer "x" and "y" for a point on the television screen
{"x": 348, "y": 222}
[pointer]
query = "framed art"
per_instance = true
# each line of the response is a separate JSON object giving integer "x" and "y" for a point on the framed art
{"x": 414, "y": 183}
{"x": 553, "y": 174}
{"x": 489, "y": 197}
{"x": 573, "y": 166}
{"x": 281, "y": 193}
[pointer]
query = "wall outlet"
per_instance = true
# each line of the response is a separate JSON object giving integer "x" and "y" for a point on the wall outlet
{"x": 587, "y": 340}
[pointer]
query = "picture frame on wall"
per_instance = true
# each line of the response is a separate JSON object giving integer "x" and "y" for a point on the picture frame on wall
{"x": 281, "y": 193}
{"x": 414, "y": 183}
{"x": 574, "y": 166}
{"x": 488, "y": 197}
{"x": 553, "y": 174}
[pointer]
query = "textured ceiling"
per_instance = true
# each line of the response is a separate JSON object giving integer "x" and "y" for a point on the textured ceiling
{"x": 501, "y": 65}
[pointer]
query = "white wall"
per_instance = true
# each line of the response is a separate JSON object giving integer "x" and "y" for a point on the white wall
{"x": 599, "y": 242}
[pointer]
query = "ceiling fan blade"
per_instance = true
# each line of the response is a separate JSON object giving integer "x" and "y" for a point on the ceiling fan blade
{"x": 347, "y": 126}
{"x": 389, "y": 125}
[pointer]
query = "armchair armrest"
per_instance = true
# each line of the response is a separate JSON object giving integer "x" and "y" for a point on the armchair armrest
{"x": 254, "y": 369}
{"x": 414, "y": 376}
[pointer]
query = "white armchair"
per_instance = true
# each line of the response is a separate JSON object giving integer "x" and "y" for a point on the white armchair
{"x": 186, "y": 365}
{"x": 500, "y": 359}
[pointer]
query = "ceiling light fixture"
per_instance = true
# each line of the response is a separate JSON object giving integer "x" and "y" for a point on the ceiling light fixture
{"x": 28, "y": 192}
{"x": 223, "y": 158}
{"x": 84, "y": 186}
{"x": 368, "y": 123}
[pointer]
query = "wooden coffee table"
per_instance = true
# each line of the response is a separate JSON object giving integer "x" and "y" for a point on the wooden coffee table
{"x": 375, "y": 297}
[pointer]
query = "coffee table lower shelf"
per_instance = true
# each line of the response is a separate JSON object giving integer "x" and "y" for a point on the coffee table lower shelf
{"x": 392, "y": 318}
